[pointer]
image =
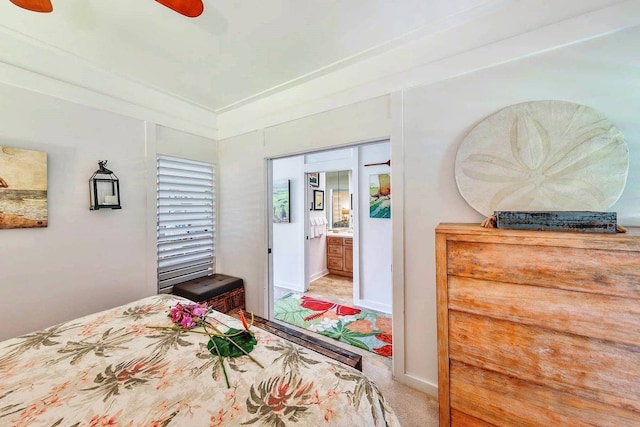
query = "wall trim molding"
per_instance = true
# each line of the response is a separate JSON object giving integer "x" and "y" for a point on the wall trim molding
{"x": 514, "y": 31}
{"x": 33, "y": 65}
{"x": 425, "y": 30}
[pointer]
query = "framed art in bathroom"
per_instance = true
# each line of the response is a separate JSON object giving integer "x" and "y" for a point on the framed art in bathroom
{"x": 318, "y": 200}
{"x": 314, "y": 179}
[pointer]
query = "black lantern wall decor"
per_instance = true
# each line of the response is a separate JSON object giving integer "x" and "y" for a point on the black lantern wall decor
{"x": 104, "y": 189}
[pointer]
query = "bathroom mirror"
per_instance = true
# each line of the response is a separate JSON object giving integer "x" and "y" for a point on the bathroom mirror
{"x": 338, "y": 202}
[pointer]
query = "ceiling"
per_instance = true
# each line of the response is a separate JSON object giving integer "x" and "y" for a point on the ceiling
{"x": 237, "y": 50}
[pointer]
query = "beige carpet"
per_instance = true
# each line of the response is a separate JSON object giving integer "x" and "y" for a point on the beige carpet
{"x": 413, "y": 408}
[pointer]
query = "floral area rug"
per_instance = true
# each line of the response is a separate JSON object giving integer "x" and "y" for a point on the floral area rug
{"x": 360, "y": 328}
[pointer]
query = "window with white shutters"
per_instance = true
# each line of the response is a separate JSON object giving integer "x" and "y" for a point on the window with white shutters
{"x": 186, "y": 220}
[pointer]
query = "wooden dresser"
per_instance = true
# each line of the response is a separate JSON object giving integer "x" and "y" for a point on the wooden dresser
{"x": 537, "y": 328}
{"x": 340, "y": 255}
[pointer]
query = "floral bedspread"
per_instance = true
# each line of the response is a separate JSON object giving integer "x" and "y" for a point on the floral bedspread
{"x": 111, "y": 368}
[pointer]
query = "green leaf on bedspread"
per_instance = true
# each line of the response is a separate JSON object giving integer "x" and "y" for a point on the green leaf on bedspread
{"x": 167, "y": 339}
{"x": 140, "y": 312}
{"x": 243, "y": 339}
{"x": 281, "y": 400}
{"x": 364, "y": 388}
{"x": 110, "y": 341}
{"x": 291, "y": 357}
{"x": 47, "y": 338}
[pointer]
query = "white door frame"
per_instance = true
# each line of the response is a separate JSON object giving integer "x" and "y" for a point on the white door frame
{"x": 351, "y": 162}
{"x": 269, "y": 299}
{"x": 397, "y": 221}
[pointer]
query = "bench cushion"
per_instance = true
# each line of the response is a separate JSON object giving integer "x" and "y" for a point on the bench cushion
{"x": 206, "y": 288}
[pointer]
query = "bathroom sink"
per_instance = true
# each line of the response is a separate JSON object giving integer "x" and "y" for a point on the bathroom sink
{"x": 340, "y": 233}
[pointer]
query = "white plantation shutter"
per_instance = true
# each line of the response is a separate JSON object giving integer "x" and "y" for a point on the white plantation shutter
{"x": 186, "y": 220}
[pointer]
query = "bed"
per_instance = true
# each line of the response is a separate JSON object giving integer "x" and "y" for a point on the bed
{"x": 117, "y": 368}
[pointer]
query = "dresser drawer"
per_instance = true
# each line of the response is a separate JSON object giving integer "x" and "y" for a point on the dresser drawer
{"x": 348, "y": 241}
{"x": 564, "y": 362}
{"x": 579, "y": 269}
{"x": 609, "y": 318}
{"x": 482, "y": 398}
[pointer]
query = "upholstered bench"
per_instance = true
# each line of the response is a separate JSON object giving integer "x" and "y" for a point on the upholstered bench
{"x": 221, "y": 292}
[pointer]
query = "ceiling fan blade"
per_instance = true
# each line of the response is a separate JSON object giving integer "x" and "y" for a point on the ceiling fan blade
{"x": 189, "y": 8}
{"x": 44, "y": 6}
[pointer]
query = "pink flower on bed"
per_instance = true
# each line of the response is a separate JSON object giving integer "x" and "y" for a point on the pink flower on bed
{"x": 187, "y": 322}
{"x": 177, "y": 313}
{"x": 200, "y": 311}
{"x": 188, "y": 316}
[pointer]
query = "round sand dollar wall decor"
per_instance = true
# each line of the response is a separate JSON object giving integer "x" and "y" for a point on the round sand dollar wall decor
{"x": 542, "y": 156}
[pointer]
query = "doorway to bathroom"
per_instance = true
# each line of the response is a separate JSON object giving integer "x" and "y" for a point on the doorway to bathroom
{"x": 331, "y": 252}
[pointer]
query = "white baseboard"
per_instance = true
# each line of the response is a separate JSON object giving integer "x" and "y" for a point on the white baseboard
{"x": 291, "y": 286}
{"x": 318, "y": 275}
{"x": 418, "y": 384}
{"x": 373, "y": 305}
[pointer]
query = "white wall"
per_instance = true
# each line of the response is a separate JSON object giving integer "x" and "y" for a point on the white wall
{"x": 317, "y": 262}
{"x": 84, "y": 261}
{"x": 177, "y": 143}
{"x": 362, "y": 121}
{"x": 242, "y": 232}
{"x": 599, "y": 73}
{"x": 427, "y": 126}
{"x": 243, "y": 182}
{"x": 288, "y": 238}
{"x": 375, "y": 235}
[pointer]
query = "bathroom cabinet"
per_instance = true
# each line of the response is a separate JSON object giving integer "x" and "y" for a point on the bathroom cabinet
{"x": 340, "y": 255}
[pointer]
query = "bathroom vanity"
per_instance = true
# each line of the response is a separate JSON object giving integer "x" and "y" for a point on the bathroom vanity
{"x": 340, "y": 254}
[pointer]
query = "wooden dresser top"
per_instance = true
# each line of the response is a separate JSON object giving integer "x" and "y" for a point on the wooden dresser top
{"x": 620, "y": 241}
